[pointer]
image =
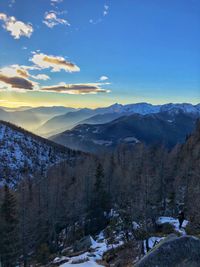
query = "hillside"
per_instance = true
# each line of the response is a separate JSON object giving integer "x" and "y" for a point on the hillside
{"x": 135, "y": 185}
{"x": 24, "y": 154}
{"x": 63, "y": 122}
{"x": 165, "y": 128}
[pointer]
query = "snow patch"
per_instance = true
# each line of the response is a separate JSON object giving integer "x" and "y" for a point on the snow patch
{"x": 174, "y": 222}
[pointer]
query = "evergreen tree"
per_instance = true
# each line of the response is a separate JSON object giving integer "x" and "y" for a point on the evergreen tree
{"x": 8, "y": 230}
{"x": 100, "y": 202}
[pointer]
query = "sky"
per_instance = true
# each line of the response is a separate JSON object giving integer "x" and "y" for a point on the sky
{"x": 86, "y": 53}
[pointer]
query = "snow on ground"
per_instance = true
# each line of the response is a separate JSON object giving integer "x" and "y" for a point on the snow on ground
{"x": 102, "y": 142}
{"x": 89, "y": 258}
{"x": 161, "y": 220}
{"x": 154, "y": 240}
{"x": 21, "y": 151}
{"x": 174, "y": 222}
{"x": 84, "y": 264}
{"x": 100, "y": 246}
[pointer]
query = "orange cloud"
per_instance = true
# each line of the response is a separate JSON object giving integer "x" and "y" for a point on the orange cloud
{"x": 55, "y": 63}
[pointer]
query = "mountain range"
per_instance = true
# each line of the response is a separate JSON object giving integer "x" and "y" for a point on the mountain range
{"x": 48, "y": 121}
{"x": 31, "y": 118}
{"x": 67, "y": 121}
{"x": 164, "y": 128}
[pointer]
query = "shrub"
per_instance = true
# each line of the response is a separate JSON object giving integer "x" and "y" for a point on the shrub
{"x": 192, "y": 229}
{"x": 167, "y": 228}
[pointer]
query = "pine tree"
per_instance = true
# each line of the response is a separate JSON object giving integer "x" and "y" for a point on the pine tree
{"x": 100, "y": 202}
{"x": 8, "y": 230}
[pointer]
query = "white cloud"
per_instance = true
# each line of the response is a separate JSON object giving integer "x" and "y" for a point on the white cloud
{"x": 15, "y": 70}
{"x": 51, "y": 19}
{"x": 43, "y": 77}
{"x": 99, "y": 20}
{"x": 55, "y": 2}
{"x": 105, "y": 11}
{"x": 103, "y": 78}
{"x": 16, "y": 27}
{"x": 22, "y": 72}
{"x": 12, "y": 2}
{"x": 55, "y": 63}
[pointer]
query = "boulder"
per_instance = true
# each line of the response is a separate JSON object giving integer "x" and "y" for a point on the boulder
{"x": 173, "y": 251}
{"x": 83, "y": 244}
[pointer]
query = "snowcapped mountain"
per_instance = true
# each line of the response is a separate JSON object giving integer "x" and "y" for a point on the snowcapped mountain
{"x": 23, "y": 154}
{"x": 164, "y": 128}
{"x": 69, "y": 120}
{"x": 146, "y": 108}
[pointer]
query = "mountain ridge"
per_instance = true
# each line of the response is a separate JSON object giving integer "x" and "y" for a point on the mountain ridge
{"x": 164, "y": 128}
{"x": 66, "y": 122}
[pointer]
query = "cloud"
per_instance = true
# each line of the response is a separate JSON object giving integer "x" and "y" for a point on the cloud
{"x": 12, "y": 2}
{"x": 16, "y": 28}
{"x": 55, "y": 2}
{"x": 103, "y": 78}
{"x": 23, "y": 71}
{"x": 15, "y": 70}
{"x": 79, "y": 89}
{"x": 18, "y": 77}
{"x": 55, "y": 63}
{"x": 16, "y": 82}
{"x": 51, "y": 19}
{"x": 105, "y": 11}
{"x": 95, "y": 21}
{"x": 100, "y": 19}
{"x": 43, "y": 77}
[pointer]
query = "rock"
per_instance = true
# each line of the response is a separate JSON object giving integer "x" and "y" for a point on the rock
{"x": 173, "y": 251}
{"x": 83, "y": 244}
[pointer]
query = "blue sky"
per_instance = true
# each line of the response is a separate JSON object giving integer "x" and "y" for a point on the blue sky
{"x": 121, "y": 51}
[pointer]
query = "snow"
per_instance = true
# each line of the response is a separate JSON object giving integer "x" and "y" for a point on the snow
{"x": 162, "y": 220}
{"x": 146, "y": 108}
{"x": 131, "y": 139}
{"x": 174, "y": 222}
{"x": 135, "y": 225}
{"x": 152, "y": 242}
{"x": 102, "y": 142}
{"x": 21, "y": 151}
{"x": 84, "y": 264}
{"x": 99, "y": 247}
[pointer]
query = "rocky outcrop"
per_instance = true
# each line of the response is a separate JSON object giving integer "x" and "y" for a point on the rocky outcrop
{"x": 173, "y": 251}
{"x": 84, "y": 244}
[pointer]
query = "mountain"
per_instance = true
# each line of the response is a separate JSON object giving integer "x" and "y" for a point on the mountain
{"x": 31, "y": 118}
{"x": 63, "y": 122}
{"x": 26, "y": 119}
{"x": 102, "y": 115}
{"x": 22, "y": 108}
{"x": 164, "y": 128}
{"x": 120, "y": 196}
{"x": 102, "y": 118}
{"x": 24, "y": 154}
{"x": 46, "y": 113}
